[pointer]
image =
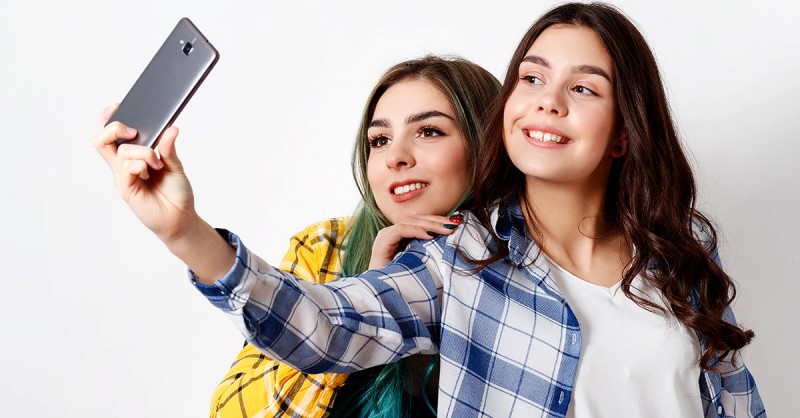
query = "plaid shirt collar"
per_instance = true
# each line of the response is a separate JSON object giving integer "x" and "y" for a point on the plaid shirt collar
{"x": 509, "y": 225}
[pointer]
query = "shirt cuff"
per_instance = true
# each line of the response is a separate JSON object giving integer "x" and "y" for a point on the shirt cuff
{"x": 221, "y": 293}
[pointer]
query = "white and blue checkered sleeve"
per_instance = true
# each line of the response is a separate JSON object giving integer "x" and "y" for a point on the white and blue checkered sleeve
{"x": 738, "y": 394}
{"x": 346, "y": 325}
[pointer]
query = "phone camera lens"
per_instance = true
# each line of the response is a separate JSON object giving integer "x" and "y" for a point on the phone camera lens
{"x": 187, "y": 48}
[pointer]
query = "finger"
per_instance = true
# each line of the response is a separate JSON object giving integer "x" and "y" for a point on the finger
{"x": 133, "y": 170}
{"x": 111, "y": 132}
{"x": 416, "y": 232}
{"x": 104, "y": 140}
{"x": 407, "y": 231}
{"x": 106, "y": 113}
{"x": 454, "y": 219}
{"x": 432, "y": 223}
{"x": 139, "y": 152}
{"x": 166, "y": 148}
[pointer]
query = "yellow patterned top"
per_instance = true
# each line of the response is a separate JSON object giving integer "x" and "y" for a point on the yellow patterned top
{"x": 257, "y": 386}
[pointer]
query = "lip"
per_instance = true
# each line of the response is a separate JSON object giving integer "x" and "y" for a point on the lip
{"x": 408, "y": 195}
{"x": 545, "y": 129}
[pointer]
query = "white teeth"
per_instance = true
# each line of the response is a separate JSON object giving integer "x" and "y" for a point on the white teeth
{"x": 409, "y": 187}
{"x": 546, "y": 137}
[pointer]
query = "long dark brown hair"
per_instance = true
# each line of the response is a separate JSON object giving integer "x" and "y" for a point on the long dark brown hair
{"x": 650, "y": 197}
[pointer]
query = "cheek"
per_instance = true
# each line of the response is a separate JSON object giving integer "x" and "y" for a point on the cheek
{"x": 511, "y": 112}
{"x": 451, "y": 165}
{"x": 518, "y": 106}
{"x": 373, "y": 172}
{"x": 593, "y": 121}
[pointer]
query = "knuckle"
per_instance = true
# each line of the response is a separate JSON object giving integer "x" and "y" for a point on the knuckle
{"x": 124, "y": 151}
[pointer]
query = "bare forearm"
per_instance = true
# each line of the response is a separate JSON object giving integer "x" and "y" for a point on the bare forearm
{"x": 204, "y": 251}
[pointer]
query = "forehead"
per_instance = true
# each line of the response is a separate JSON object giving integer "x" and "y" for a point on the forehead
{"x": 571, "y": 45}
{"x": 409, "y": 97}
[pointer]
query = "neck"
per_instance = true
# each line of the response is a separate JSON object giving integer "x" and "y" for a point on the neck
{"x": 564, "y": 213}
{"x": 570, "y": 226}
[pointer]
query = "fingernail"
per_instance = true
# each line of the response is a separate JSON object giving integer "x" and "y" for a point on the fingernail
{"x": 433, "y": 234}
{"x": 457, "y": 219}
{"x": 131, "y": 131}
{"x": 450, "y": 226}
{"x": 159, "y": 164}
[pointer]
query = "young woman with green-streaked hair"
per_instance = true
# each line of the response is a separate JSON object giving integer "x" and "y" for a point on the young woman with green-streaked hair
{"x": 413, "y": 162}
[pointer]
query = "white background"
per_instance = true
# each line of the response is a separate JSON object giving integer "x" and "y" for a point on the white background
{"x": 98, "y": 318}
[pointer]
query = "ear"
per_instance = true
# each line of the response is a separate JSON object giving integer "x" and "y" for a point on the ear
{"x": 621, "y": 147}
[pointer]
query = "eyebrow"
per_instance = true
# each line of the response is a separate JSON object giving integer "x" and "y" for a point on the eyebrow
{"x": 576, "y": 69}
{"x": 416, "y": 117}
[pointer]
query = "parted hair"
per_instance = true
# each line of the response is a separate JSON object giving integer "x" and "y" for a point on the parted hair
{"x": 651, "y": 193}
{"x": 471, "y": 91}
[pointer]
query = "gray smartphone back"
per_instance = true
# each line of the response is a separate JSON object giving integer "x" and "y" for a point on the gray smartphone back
{"x": 167, "y": 84}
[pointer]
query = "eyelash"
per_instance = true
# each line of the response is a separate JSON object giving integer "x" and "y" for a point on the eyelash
{"x": 373, "y": 141}
{"x": 590, "y": 91}
{"x": 530, "y": 80}
{"x": 434, "y": 132}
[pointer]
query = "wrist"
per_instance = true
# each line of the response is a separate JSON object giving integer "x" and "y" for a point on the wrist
{"x": 191, "y": 229}
{"x": 203, "y": 250}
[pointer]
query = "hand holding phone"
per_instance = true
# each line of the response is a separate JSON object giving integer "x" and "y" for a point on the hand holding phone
{"x": 157, "y": 189}
{"x": 166, "y": 84}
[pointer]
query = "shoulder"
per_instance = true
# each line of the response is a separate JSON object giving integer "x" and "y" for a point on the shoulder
{"x": 314, "y": 252}
{"x": 326, "y": 231}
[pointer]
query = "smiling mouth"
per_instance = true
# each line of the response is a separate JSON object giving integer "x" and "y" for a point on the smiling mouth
{"x": 546, "y": 137}
{"x": 409, "y": 188}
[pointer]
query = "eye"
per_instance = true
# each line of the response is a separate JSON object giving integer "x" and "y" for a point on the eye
{"x": 580, "y": 89}
{"x": 428, "y": 131}
{"x": 531, "y": 79}
{"x": 379, "y": 141}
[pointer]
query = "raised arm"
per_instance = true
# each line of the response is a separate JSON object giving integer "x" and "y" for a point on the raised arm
{"x": 160, "y": 195}
{"x": 346, "y": 325}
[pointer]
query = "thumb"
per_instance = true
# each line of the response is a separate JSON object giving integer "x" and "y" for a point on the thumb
{"x": 166, "y": 148}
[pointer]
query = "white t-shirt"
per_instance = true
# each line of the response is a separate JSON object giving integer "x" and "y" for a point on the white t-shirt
{"x": 633, "y": 362}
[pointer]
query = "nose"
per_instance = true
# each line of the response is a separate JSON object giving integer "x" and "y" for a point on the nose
{"x": 400, "y": 154}
{"x": 553, "y": 103}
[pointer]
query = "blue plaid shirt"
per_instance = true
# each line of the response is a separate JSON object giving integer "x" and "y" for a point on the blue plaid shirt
{"x": 508, "y": 341}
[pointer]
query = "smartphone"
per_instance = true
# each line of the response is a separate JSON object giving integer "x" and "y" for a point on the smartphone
{"x": 167, "y": 84}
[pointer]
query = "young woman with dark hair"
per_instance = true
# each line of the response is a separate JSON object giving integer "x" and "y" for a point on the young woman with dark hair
{"x": 584, "y": 284}
{"x": 649, "y": 195}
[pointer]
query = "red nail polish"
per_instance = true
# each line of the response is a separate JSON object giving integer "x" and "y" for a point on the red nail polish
{"x": 457, "y": 219}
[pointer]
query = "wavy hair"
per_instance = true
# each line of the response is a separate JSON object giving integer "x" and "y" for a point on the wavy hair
{"x": 651, "y": 194}
{"x": 471, "y": 90}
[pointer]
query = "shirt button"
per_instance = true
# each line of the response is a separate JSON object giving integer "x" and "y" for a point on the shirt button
{"x": 574, "y": 339}
{"x": 719, "y": 409}
{"x": 561, "y": 398}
